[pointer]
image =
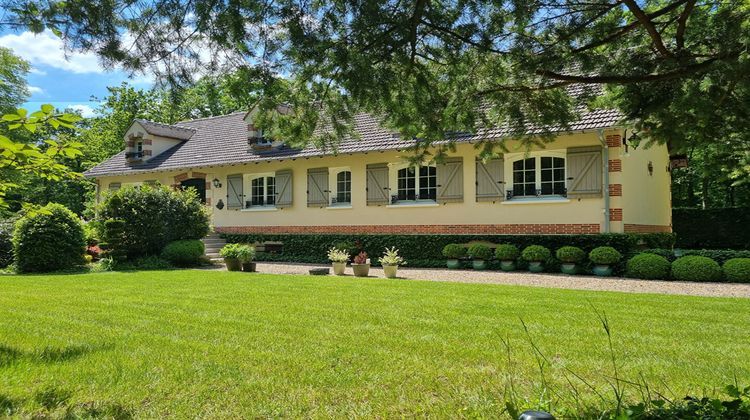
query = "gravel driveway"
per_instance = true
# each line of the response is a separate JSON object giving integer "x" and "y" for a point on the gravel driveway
{"x": 540, "y": 280}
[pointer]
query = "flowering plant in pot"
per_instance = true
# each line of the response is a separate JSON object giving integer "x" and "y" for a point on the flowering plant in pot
{"x": 361, "y": 265}
{"x": 246, "y": 255}
{"x": 454, "y": 252}
{"x": 507, "y": 254}
{"x": 536, "y": 255}
{"x": 231, "y": 254}
{"x": 480, "y": 254}
{"x": 338, "y": 258}
{"x": 390, "y": 261}
{"x": 603, "y": 258}
{"x": 569, "y": 256}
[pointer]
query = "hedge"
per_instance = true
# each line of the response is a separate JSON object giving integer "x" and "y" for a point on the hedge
{"x": 712, "y": 228}
{"x": 6, "y": 242}
{"x": 426, "y": 250}
{"x": 48, "y": 239}
{"x": 718, "y": 255}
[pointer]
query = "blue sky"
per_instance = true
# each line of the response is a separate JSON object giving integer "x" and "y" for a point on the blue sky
{"x": 64, "y": 80}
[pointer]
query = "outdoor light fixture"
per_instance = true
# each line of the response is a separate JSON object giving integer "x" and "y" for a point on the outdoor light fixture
{"x": 217, "y": 183}
{"x": 220, "y": 204}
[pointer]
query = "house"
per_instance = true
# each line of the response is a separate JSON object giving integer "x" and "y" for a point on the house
{"x": 586, "y": 181}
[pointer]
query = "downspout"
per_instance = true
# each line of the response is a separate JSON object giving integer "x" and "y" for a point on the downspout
{"x": 605, "y": 178}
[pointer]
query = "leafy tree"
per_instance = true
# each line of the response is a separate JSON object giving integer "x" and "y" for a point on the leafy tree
{"x": 13, "y": 89}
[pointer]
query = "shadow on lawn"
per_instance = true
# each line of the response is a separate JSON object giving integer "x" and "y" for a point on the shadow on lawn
{"x": 10, "y": 355}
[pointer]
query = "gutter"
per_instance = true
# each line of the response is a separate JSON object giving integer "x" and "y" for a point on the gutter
{"x": 605, "y": 178}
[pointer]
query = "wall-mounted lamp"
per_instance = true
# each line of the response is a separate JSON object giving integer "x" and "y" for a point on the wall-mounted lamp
{"x": 217, "y": 184}
{"x": 220, "y": 204}
{"x": 633, "y": 141}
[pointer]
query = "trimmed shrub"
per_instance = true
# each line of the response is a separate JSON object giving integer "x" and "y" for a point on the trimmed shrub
{"x": 184, "y": 253}
{"x": 151, "y": 217}
{"x": 480, "y": 252}
{"x": 696, "y": 268}
{"x": 6, "y": 242}
{"x": 648, "y": 266}
{"x": 570, "y": 254}
{"x": 737, "y": 270}
{"x": 48, "y": 239}
{"x": 536, "y": 253}
{"x": 605, "y": 255}
{"x": 506, "y": 252}
{"x": 667, "y": 254}
{"x": 454, "y": 251}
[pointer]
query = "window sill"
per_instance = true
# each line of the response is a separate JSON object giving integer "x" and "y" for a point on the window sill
{"x": 269, "y": 208}
{"x": 413, "y": 204}
{"x": 339, "y": 207}
{"x": 556, "y": 200}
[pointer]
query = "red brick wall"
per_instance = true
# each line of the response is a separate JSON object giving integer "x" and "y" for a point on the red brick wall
{"x": 516, "y": 229}
{"x": 614, "y": 140}
{"x": 615, "y": 165}
{"x": 632, "y": 228}
{"x": 615, "y": 215}
{"x": 615, "y": 190}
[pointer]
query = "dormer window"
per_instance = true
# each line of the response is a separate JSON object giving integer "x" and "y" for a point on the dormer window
{"x": 139, "y": 146}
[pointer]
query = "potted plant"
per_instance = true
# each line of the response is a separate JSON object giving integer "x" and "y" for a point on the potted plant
{"x": 536, "y": 255}
{"x": 247, "y": 255}
{"x": 338, "y": 258}
{"x": 603, "y": 257}
{"x": 480, "y": 254}
{"x": 231, "y": 254}
{"x": 361, "y": 265}
{"x": 569, "y": 256}
{"x": 390, "y": 261}
{"x": 454, "y": 253}
{"x": 507, "y": 255}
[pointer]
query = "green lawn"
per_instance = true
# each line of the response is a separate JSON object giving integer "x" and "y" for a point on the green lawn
{"x": 218, "y": 344}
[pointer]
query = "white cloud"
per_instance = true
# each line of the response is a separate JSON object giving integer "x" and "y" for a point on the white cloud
{"x": 47, "y": 49}
{"x": 35, "y": 70}
{"x": 35, "y": 90}
{"x": 85, "y": 110}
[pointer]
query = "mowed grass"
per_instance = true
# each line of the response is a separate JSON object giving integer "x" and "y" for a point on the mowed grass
{"x": 217, "y": 344}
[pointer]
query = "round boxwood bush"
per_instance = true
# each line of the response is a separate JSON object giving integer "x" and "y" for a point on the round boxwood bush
{"x": 183, "y": 253}
{"x": 737, "y": 270}
{"x": 570, "y": 254}
{"x": 536, "y": 253}
{"x": 48, "y": 239}
{"x": 454, "y": 251}
{"x": 506, "y": 252}
{"x": 480, "y": 252}
{"x": 696, "y": 268}
{"x": 605, "y": 255}
{"x": 648, "y": 266}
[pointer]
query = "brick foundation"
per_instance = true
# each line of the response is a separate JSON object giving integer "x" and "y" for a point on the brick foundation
{"x": 632, "y": 228}
{"x": 511, "y": 229}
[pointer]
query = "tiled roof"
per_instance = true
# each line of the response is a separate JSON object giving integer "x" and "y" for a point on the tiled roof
{"x": 165, "y": 130}
{"x": 223, "y": 141}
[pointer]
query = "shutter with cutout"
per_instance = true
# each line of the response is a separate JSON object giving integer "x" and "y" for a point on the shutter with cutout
{"x": 378, "y": 191}
{"x": 450, "y": 181}
{"x": 490, "y": 180}
{"x": 584, "y": 172}
{"x": 283, "y": 189}
{"x": 317, "y": 187}
{"x": 234, "y": 192}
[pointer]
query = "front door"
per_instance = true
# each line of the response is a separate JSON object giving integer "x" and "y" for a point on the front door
{"x": 199, "y": 184}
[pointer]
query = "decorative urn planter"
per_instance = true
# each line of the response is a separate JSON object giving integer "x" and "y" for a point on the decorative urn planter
{"x": 479, "y": 264}
{"x": 602, "y": 270}
{"x": 248, "y": 267}
{"x": 361, "y": 270}
{"x": 569, "y": 268}
{"x": 390, "y": 271}
{"x": 339, "y": 268}
{"x": 453, "y": 264}
{"x": 233, "y": 264}
{"x": 508, "y": 265}
{"x": 536, "y": 266}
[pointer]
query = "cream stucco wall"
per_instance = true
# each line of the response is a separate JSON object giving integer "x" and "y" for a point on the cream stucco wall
{"x": 642, "y": 188}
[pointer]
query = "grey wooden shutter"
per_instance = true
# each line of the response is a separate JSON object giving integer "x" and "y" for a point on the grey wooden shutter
{"x": 450, "y": 181}
{"x": 283, "y": 189}
{"x": 317, "y": 187}
{"x": 378, "y": 192}
{"x": 584, "y": 172}
{"x": 490, "y": 180}
{"x": 234, "y": 192}
{"x": 114, "y": 186}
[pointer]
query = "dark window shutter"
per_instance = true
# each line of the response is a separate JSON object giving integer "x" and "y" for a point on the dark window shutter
{"x": 584, "y": 172}
{"x": 378, "y": 192}
{"x": 490, "y": 180}
{"x": 234, "y": 192}
{"x": 317, "y": 187}
{"x": 283, "y": 189}
{"x": 450, "y": 181}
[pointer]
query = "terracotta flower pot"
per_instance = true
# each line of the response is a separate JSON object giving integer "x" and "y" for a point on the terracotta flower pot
{"x": 339, "y": 268}
{"x": 361, "y": 270}
{"x": 390, "y": 271}
{"x": 569, "y": 268}
{"x": 453, "y": 263}
{"x": 536, "y": 266}
{"x": 602, "y": 270}
{"x": 508, "y": 265}
{"x": 233, "y": 264}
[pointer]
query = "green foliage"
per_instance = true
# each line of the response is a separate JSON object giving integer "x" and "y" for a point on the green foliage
{"x": 480, "y": 252}
{"x": 184, "y": 253}
{"x": 648, "y": 266}
{"x": 48, "y": 239}
{"x": 338, "y": 255}
{"x": 536, "y": 253}
{"x": 454, "y": 251}
{"x": 391, "y": 257}
{"x": 506, "y": 252}
{"x": 242, "y": 252}
{"x": 605, "y": 255}
{"x": 570, "y": 254}
{"x": 151, "y": 218}
{"x": 13, "y": 88}
{"x": 696, "y": 268}
{"x": 737, "y": 270}
{"x": 6, "y": 241}
{"x": 151, "y": 262}
{"x": 712, "y": 228}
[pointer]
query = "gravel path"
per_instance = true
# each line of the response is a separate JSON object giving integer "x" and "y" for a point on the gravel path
{"x": 540, "y": 280}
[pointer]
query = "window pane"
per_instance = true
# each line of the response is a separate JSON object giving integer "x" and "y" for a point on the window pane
{"x": 546, "y": 175}
{"x": 547, "y": 188}
{"x": 270, "y": 190}
{"x": 427, "y": 183}
{"x": 406, "y": 184}
{"x": 344, "y": 187}
{"x": 530, "y": 163}
{"x": 546, "y": 162}
{"x": 257, "y": 193}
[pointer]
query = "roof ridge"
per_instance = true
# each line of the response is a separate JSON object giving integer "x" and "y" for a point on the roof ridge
{"x": 214, "y": 117}
{"x": 180, "y": 127}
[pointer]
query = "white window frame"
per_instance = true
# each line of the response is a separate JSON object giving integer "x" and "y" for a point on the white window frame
{"x": 393, "y": 184}
{"x": 333, "y": 186}
{"x": 139, "y": 146}
{"x": 511, "y": 158}
{"x": 248, "y": 190}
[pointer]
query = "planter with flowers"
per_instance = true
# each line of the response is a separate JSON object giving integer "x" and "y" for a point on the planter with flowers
{"x": 603, "y": 258}
{"x": 480, "y": 254}
{"x": 390, "y": 261}
{"x": 338, "y": 258}
{"x": 536, "y": 255}
{"x": 570, "y": 256}
{"x": 361, "y": 265}
{"x": 507, "y": 255}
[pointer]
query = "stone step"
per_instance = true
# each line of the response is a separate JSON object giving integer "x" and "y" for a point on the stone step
{"x": 219, "y": 244}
